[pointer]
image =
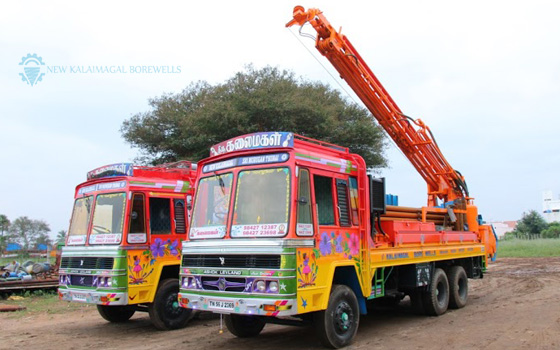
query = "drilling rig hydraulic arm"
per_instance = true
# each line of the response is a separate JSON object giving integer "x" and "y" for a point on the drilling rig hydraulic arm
{"x": 413, "y": 137}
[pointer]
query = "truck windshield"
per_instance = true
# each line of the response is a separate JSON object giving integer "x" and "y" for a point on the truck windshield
{"x": 108, "y": 218}
{"x": 211, "y": 207}
{"x": 262, "y": 203}
{"x": 80, "y": 220}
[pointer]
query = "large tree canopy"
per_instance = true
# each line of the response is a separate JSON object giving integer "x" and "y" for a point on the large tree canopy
{"x": 185, "y": 125}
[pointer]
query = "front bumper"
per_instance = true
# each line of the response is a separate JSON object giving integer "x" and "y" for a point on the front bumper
{"x": 92, "y": 297}
{"x": 239, "y": 305}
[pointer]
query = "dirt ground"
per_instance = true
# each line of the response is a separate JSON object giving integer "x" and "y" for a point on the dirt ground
{"x": 515, "y": 306}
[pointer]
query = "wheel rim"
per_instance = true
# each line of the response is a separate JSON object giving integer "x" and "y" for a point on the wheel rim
{"x": 343, "y": 318}
{"x": 172, "y": 306}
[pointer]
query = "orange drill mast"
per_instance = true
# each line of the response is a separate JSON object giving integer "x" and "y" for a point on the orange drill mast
{"x": 413, "y": 137}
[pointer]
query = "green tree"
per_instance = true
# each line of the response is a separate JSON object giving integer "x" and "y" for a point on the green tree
{"x": 42, "y": 238}
{"x": 26, "y": 231}
{"x": 185, "y": 125}
{"x": 61, "y": 237}
{"x": 4, "y": 227}
{"x": 4, "y": 224}
{"x": 532, "y": 223}
{"x": 3, "y": 244}
{"x": 553, "y": 230}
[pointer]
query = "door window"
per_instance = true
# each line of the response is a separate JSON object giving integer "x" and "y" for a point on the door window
{"x": 324, "y": 198}
{"x": 304, "y": 225}
{"x": 160, "y": 216}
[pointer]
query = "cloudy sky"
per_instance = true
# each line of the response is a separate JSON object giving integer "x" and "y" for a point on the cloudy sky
{"x": 484, "y": 75}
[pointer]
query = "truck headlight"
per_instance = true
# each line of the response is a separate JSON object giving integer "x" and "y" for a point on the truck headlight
{"x": 273, "y": 287}
{"x": 261, "y": 286}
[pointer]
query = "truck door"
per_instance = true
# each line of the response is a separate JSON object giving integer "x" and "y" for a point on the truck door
{"x": 337, "y": 227}
{"x": 167, "y": 223}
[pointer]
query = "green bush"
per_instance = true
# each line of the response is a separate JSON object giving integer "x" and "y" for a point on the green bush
{"x": 553, "y": 231}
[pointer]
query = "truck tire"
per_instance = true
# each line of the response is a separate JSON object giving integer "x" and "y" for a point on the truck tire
{"x": 165, "y": 312}
{"x": 337, "y": 325}
{"x": 458, "y": 287}
{"x": 243, "y": 326}
{"x": 116, "y": 314}
{"x": 436, "y": 299}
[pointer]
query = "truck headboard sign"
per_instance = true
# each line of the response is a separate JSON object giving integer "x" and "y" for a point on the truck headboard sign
{"x": 244, "y": 161}
{"x": 257, "y": 140}
{"x": 102, "y": 187}
{"x": 119, "y": 169}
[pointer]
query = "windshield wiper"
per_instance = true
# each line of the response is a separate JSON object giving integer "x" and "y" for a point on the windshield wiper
{"x": 221, "y": 182}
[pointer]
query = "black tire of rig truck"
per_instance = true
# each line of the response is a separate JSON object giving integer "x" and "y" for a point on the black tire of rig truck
{"x": 458, "y": 287}
{"x": 243, "y": 326}
{"x": 337, "y": 325}
{"x": 165, "y": 312}
{"x": 436, "y": 298}
{"x": 116, "y": 314}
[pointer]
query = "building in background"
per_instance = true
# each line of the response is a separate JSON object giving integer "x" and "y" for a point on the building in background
{"x": 503, "y": 227}
{"x": 551, "y": 207}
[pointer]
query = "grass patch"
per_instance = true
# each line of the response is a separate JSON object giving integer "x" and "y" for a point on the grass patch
{"x": 40, "y": 302}
{"x": 519, "y": 248}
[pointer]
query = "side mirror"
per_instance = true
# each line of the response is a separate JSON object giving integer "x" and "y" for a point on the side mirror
{"x": 189, "y": 202}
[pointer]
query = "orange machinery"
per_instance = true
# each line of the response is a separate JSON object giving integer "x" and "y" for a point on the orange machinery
{"x": 412, "y": 136}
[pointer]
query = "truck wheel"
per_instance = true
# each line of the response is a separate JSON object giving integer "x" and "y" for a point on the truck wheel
{"x": 243, "y": 326}
{"x": 165, "y": 312}
{"x": 116, "y": 314}
{"x": 436, "y": 299}
{"x": 458, "y": 287}
{"x": 337, "y": 325}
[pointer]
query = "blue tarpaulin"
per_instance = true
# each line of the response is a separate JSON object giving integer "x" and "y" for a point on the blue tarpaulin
{"x": 13, "y": 247}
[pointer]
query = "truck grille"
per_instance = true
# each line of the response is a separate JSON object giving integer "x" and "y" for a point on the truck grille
{"x": 82, "y": 281}
{"x": 232, "y": 261}
{"x": 230, "y": 284}
{"x": 86, "y": 263}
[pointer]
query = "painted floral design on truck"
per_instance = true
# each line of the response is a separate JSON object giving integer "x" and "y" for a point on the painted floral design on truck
{"x": 342, "y": 244}
{"x": 347, "y": 243}
{"x": 140, "y": 267}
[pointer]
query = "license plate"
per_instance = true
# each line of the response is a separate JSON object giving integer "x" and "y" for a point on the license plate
{"x": 79, "y": 297}
{"x": 219, "y": 304}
